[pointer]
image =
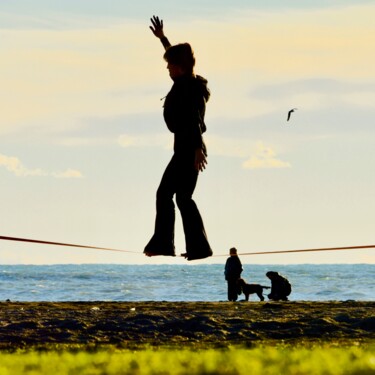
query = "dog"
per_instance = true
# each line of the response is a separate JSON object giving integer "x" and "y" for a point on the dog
{"x": 248, "y": 289}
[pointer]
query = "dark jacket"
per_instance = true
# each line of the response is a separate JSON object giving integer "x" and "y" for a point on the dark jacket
{"x": 280, "y": 286}
{"x": 233, "y": 268}
{"x": 184, "y": 111}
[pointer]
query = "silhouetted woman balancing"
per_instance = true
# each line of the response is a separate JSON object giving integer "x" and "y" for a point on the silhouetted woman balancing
{"x": 184, "y": 111}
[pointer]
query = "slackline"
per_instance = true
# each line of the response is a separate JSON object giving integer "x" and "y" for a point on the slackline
{"x": 308, "y": 250}
{"x": 62, "y": 244}
{"x": 17, "y": 239}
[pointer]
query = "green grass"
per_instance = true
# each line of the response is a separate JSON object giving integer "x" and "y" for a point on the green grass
{"x": 323, "y": 359}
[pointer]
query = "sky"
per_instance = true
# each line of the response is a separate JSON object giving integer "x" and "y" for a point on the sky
{"x": 83, "y": 144}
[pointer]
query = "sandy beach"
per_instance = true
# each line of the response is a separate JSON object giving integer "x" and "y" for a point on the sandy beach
{"x": 199, "y": 324}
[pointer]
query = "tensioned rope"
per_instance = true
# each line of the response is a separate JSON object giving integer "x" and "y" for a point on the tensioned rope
{"x": 62, "y": 244}
{"x": 307, "y": 250}
{"x": 219, "y": 255}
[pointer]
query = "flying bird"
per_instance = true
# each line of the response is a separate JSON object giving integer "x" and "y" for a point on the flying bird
{"x": 290, "y": 112}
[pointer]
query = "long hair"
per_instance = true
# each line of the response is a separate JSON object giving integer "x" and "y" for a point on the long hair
{"x": 181, "y": 55}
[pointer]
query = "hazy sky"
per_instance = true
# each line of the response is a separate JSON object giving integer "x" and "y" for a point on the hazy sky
{"x": 83, "y": 143}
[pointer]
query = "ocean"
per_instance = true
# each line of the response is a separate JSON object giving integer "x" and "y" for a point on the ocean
{"x": 105, "y": 282}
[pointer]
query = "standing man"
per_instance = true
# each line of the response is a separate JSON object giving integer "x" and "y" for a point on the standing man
{"x": 184, "y": 111}
{"x": 232, "y": 272}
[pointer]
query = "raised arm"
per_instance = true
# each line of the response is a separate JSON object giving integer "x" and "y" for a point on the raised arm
{"x": 157, "y": 30}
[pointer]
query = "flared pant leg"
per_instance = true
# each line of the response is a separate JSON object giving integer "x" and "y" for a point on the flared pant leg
{"x": 162, "y": 242}
{"x": 180, "y": 178}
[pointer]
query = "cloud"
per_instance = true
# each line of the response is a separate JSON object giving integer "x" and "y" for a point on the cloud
{"x": 69, "y": 173}
{"x": 61, "y": 76}
{"x": 126, "y": 140}
{"x": 141, "y": 140}
{"x": 265, "y": 157}
{"x": 256, "y": 156}
{"x": 316, "y": 93}
{"x": 15, "y": 166}
{"x": 227, "y": 146}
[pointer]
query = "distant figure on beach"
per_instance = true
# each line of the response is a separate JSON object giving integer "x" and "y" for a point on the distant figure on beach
{"x": 184, "y": 110}
{"x": 232, "y": 272}
{"x": 280, "y": 287}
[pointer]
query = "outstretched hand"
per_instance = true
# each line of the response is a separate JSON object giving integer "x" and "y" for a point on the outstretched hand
{"x": 157, "y": 27}
{"x": 200, "y": 160}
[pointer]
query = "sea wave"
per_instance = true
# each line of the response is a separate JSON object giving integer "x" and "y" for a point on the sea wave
{"x": 94, "y": 282}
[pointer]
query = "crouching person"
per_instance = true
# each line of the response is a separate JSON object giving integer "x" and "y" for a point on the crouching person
{"x": 280, "y": 287}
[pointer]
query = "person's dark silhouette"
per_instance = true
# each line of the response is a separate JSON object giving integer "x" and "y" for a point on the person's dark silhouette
{"x": 232, "y": 272}
{"x": 184, "y": 111}
{"x": 280, "y": 286}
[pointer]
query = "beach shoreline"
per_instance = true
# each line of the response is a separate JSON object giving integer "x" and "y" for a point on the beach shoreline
{"x": 177, "y": 324}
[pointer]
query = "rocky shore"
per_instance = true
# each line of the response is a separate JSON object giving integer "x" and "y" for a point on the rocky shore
{"x": 198, "y": 324}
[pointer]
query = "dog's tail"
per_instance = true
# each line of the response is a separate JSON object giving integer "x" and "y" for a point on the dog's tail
{"x": 265, "y": 287}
